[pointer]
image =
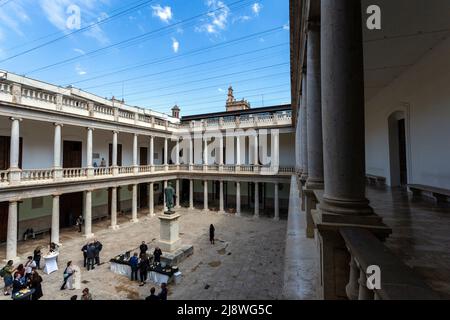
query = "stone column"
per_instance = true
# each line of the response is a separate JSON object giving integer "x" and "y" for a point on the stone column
{"x": 14, "y": 170}
{"x": 57, "y": 167}
{"x": 205, "y": 195}
{"x": 314, "y": 109}
{"x": 88, "y": 214}
{"x": 205, "y": 152}
{"x": 238, "y": 199}
{"x": 151, "y": 201}
{"x": 89, "y": 143}
{"x": 275, "y": 157}
{"x": 55, "y": 220}
{"x": 164, "y": 196}
{"x": 221, "y": 155}
{"x": 135, "y": 154}
{"x": 256, "y": 150}
{"x": 191, "y": 194}
{"x": 114, "y": 153}
{"x": 166, "y": 160}
{"x": 221, "y": 202}
{"x": 177, "y": 156}
{"x": 238, "y": 153}
{"x": 342, "y": 82}
{"x": 11, "y": 237}
{"x": 134, "y": 205}
{"x": 191, "y": 152}
{"x": 152, "y": 151}
{"x": 276, "y": 203}
{"x": 304, "y": 132}
{"x": 177, "y": 190}
{"x": 114, "y": 208}
{"x": 256, "y": 200}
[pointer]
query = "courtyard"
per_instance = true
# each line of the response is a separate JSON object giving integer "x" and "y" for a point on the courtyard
{"x": 246, "y": 261}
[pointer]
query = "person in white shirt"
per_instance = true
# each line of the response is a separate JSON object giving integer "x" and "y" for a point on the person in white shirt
{"x": 29, "y": 265}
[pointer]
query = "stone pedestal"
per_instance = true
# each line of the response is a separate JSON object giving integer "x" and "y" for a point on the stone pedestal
{"x": 169, "y": 232}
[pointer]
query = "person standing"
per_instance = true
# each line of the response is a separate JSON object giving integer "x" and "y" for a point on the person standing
{"x": 157, "y": 254}
{"x": 36, "y": 284}
{"x": 134, "y": 264}
{"x": 90, "y": 256}
{"x": 152, "y": 296}
{"x": 37, "y": 257}
{"x": 68, "y": 277}
{"x": 79, "y": 222}
{"x": 143, "y": 247}
{"x": 144, "y": 266}
{"x": 7, "y": 274}
{"x": 84, "y": 249}
{"x": 98, "y": 247}
{"x": 29, "y": 266}
{"x": 86, "y": 294}
{"x": 163, "y": 294}
{"x": 211, "y": 233}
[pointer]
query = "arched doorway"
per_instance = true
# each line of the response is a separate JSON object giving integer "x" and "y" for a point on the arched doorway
{"x": 398, "y": 155}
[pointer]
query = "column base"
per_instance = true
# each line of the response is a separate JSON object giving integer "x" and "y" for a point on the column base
{"x": 177, "y": 207}
{"x": 276, "y": 219}
{"x": 116, "y": 227}
{"x": 256, "y": 216}
{"x": 88, "y": 236}
{"x": 151, "y": 215}
{"x": 134, "y": 220}
{"x": 205, "y": 211}
{"x": 15, "y": 260}
{"x": 221, "y": 212}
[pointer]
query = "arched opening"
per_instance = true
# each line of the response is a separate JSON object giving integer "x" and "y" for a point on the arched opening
{"x": 398, "y": 158}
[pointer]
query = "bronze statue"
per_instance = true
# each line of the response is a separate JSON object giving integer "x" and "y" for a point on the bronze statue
{"x": 169, "y": 192}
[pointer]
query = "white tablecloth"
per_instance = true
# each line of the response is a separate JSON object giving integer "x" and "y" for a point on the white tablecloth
{"x": 50, "y": 263}
{"x": 125, "y": 270}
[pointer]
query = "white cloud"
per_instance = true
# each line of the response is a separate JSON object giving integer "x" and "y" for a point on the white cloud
{"x": 242, "y": 19}
{"x": 220, "y": 90}
{"x": 80, "y": 51}
{"x": 80, "y": 71}
{"x": 256, "y": 8}
{"x": 13, "y": 16}
{"x": 165, "y": 14}
{"x": 175, "y": 45}
{"x": 217, "y": 20}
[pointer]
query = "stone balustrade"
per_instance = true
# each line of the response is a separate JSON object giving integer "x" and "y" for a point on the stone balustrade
{"x": 71, "y": 173}
{"x": 37, "y": 175}
{"x": 102, "y": 171}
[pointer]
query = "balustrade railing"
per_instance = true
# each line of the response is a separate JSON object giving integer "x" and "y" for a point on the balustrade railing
{"x": 126, "y": 170}
{"x": 4, "y": 87}
{"x": 145, "y": 169}
{"x": 160, "y": 167}
{"x": 103, "y": 109}
{"x": 104, "y": 171}
{"x": 36, "y": 174}
{"x": 74, "y": 173}
{"x": 184, "y": 167}
{"x": 229, "y": 168}
{"x": 197, "y": 167}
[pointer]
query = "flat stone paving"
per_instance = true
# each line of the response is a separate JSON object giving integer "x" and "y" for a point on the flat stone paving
{"x": 246, "y": 261}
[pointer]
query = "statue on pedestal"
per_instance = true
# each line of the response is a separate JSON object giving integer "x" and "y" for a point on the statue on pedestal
{"x": 169, "y": 192}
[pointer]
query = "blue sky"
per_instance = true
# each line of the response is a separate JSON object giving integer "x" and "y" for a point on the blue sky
{"x": 154, "y": 54}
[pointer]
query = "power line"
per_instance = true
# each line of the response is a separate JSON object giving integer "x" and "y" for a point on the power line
{"x": 107, "y": 19}
{"x": 5, "y": 3}
{"x": 76, "y": 31}
{"x": 180, "y": 68}
{"x": 210, "y": 78}
{"x": 139, "y": 37}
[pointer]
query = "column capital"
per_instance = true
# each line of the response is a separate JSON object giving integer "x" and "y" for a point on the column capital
{"x": 57, "y": 194}
{"x": 115, "y": 131}
{"x": 57, "y": 124}
{"x": 16, "y": 118}
{"x": 90, "y": 129}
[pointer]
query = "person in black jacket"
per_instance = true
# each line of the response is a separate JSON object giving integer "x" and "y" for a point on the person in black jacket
{"x": 211, "y": 233}
{"x": 144, "y": 266}
{"x": 90, "y": 256}
{"x": 157, "y": 254}
{"x": 143, "y": 247}
{"x": 84, "y": 249}
{"x": 36, "y": 284}
{"x": 152, "y": 296}
{"x": 98, "y": 247}
{"x": 163, "y": 294}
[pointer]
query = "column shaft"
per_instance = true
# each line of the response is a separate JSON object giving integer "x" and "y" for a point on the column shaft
{"x": 191, "y": 194}
{"x": 256, "y": 199}
{"x": 55, "y": 220}
{"x": 152, "y": 150}
{"x": 114, "y": 207}
{"x": 88, "y": 215}
{"x": 14, "y": 144}
{"x": 11, "y": 237}
{"x": 177, "y": 190}
{"x": 164, "y": 195}
{"x": 89, "y": 148}
{"x": 134, "y": 207}
{"x": 205, "y": 195}
{"x": 221, "y": 201}
{"x": 57, "y": 147}
{"x": 114, "y": 149}
{"x": 238, "y": 199}
{"x": 135, "y": 150}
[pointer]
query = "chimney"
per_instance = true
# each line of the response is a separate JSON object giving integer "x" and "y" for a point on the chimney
{"x": 176, "y": 112}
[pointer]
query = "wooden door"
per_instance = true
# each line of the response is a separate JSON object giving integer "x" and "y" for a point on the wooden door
{"x": 5, "y": 147}
{"x": 143, "y": 156}
{"x": 70, "y": 207}
{"x": 143, "y": 195}
{"x": 72, "y": 154}
{"x": 119, "y": 155}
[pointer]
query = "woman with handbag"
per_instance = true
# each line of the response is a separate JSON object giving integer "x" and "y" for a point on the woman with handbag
{"x": 68, "y": 277}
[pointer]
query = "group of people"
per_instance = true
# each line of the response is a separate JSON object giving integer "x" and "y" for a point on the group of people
{"x": 91, "y": 254}
{"x": 141, "y": 263}
{"x": 21, "y": 277}
{"x": 161, "y": 296}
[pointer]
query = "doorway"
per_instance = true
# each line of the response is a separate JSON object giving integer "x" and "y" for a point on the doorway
{"x": 5, "y": 148}
{"x": 398, "y": 154}
{"x": 71, "y": 204}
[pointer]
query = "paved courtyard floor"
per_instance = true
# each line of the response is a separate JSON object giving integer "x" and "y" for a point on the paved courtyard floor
{"x": 245, "y": 263}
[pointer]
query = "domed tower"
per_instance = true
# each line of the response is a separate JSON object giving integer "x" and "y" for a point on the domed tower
{"x": 233, "y": 105}
{"x": 176, "y": 112}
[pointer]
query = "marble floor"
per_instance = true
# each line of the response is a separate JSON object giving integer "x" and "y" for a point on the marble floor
{"x": 420, "y": 236}
{"x": 246, "y": 261}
